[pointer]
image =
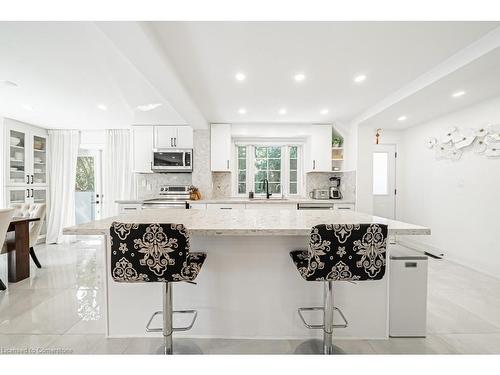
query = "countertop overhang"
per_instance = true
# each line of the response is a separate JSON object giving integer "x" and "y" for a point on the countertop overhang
{"x": 257, "y": 222}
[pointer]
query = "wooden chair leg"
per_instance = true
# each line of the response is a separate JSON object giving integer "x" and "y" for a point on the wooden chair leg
{"x": 2, "y": 285}
{"x": 35, "y": 259}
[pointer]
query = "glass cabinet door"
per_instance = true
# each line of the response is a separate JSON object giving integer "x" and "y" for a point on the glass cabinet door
{"x": 39, "y": 174}
{"x": 17, "y": 158}
{"x": 40, "y": 196}
{"x": 17, "y": 195}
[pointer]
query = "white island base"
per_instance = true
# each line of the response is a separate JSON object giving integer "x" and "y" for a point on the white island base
{"x": 249, "y": 288}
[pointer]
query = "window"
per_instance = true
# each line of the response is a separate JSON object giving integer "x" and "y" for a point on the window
{"x": 380, "y": 173}
{"x": 279, "y": 164}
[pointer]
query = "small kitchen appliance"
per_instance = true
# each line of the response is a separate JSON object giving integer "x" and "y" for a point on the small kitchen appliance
{"x": 335, "y": 192}
{"x": 319, "y": 194}
{"x": 172, "y": 160}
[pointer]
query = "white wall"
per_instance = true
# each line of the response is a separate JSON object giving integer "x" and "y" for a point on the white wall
{"x": 459, "y": 201}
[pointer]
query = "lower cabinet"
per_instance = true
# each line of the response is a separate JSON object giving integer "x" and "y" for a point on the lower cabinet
{"x": 225, "y": 206}
{"x": 277, "y": 206}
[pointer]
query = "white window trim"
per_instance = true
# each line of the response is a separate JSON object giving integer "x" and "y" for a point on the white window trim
{"x": 285, "y": 162}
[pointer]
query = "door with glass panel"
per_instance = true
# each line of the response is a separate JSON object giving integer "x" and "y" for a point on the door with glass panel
{"x": 17, "y": 173}
{"x": 88, "y": 196}
{"x": 384, "y": 181}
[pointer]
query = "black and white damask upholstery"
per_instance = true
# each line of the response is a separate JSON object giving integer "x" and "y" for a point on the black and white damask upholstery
{"x": 343, "y": 252}
{"x": 152, "y": 253}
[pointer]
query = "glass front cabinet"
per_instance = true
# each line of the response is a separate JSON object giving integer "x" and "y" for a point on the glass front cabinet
{"x": 26, "y": 160}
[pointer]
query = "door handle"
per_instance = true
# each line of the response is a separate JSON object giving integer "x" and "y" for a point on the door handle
{"x": 31, "y": 193}
{"x": 27, "y": 193}
{"x": 27, "y": 178}
{"x": 31, "y": 179}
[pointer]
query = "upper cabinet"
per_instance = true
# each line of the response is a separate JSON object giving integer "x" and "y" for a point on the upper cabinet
{"x": 220, "y": 147}
{"x": 173, "y": 137}
{"x": 143, "y": 148}
{"x": 26, "y": 155}
{"x": 318, "y": 155}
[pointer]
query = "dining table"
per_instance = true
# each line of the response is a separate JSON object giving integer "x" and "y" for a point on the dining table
{"x": 19, "y": 252}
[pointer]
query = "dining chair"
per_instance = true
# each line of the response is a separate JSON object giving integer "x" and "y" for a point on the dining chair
{"x": 5, "y": 219}
{"x": 30, "y": 210}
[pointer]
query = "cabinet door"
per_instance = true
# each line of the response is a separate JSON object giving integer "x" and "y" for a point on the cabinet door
{"x": 39, "y": 195}
{"x": 320, "y": 149}
{"x": 220, "y": 147}
{"x": 17, "y": 195}
{"x": 18, "y": 172}
{"x": 165, "y": 136}
{"x": 143, "y": 148}
{"x": 343, "y": 206}
{"x": 38, "y": 159}
{"x": 184, "y": 138}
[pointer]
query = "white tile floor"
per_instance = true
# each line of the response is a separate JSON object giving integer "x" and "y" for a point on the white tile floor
{"x": 60, "y": 308}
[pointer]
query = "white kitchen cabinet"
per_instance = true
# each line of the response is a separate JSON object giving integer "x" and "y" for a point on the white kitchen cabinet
{"x": 173, "y": 136}
{"x": 275, "y": 206}
{"x": 220, "y": 147}
{"x": 197, "y": 206}
{"x": 26, "y": 155}
{"x": 344, "y": 206}
{"x": 225, "y": 206}
{"x": 125, "y": 208}
{"x": 143, "y": 148}
{"x": 28, "y": 194}
{"x": 319, "y": 149}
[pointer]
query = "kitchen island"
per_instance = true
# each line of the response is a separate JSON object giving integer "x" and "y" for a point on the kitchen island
{"x": 248, "y": 286}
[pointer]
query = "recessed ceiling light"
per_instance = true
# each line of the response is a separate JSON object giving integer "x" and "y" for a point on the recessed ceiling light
{"x": 299, "y": 77}
{"x": 242, "y": 111}
{"x": 148, "y": 107}
{"x": 9, "y": 83}
{"x": 402, "y": 118}
{"x": 27, "y": 107}
{"x": 360, "y": 78}
{"x": 282, "y": 111}
{"x": 240, "y": 77}
{"x": 458, "y": 94}
{"x": 324, "y": 111}
{"x": 102, "y": 107}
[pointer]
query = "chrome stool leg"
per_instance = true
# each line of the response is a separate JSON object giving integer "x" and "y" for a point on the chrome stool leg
{"x": 328, "y": 318}
{"x": 167, "y": 318}
{"x": 328, "y": 312}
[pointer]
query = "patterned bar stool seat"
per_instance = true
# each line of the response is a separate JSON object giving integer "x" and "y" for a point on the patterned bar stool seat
{"x": 155, "y": 253}
{"x": 340, "y": 252}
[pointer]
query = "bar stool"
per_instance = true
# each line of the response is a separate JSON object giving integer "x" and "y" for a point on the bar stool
{"x": 340, "y": 252}
{"x": 155, "y": 253}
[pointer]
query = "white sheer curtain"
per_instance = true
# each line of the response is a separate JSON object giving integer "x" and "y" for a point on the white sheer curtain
{"x": 63, "y": 152}
{"x": 117, "y": 179}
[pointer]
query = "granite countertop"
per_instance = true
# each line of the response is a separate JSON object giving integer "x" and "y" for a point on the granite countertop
{"x": 247, "y": 200}
{"x": 257, "y": 222}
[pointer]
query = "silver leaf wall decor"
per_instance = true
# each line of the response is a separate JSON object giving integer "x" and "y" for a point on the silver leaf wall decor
{"x": 451, "y": 144}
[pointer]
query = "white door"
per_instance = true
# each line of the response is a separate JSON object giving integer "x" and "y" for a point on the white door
{"x": 384, "y": 181}
{"x": 220, "y": 149}
{"x": 143, "y": 148}
{"x": 88, "y": 187}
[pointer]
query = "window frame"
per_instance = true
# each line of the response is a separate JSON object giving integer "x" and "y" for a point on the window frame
{"x": 285, "y": 166}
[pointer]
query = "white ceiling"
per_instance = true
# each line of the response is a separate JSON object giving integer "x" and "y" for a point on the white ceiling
{"x": 479, "y": 79}
{"x": 207, "y": 55}
{"x": 64, "y": 70}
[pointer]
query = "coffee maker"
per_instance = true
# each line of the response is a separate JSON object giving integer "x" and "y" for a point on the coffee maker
{"x": 335, "y": 192}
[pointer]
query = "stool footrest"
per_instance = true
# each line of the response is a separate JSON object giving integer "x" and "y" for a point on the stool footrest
{"x": 174, "y": 329}
{"x": 321, "y": 326}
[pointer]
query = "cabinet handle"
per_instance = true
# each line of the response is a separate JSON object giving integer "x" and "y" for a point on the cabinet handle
{"x": 228, "y": 164}
{"x": 226, "y": 208}
{"x": 27, "y": 179}
{"x": 31, "y": 193}
{"x": 32, "y": 179}
{"x": 27, "y": 193}
{"x": 175, "y": 142}
{"x": 314, "y": 164}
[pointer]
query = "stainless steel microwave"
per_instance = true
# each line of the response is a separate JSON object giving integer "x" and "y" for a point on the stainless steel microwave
{"x": 172, "y": 160}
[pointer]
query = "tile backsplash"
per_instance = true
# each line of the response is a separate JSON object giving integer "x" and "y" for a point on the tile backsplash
{"x": 321, "y": 181}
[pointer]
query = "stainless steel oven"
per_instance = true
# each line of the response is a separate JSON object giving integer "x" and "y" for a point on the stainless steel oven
{"x": 172, "y": 160}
